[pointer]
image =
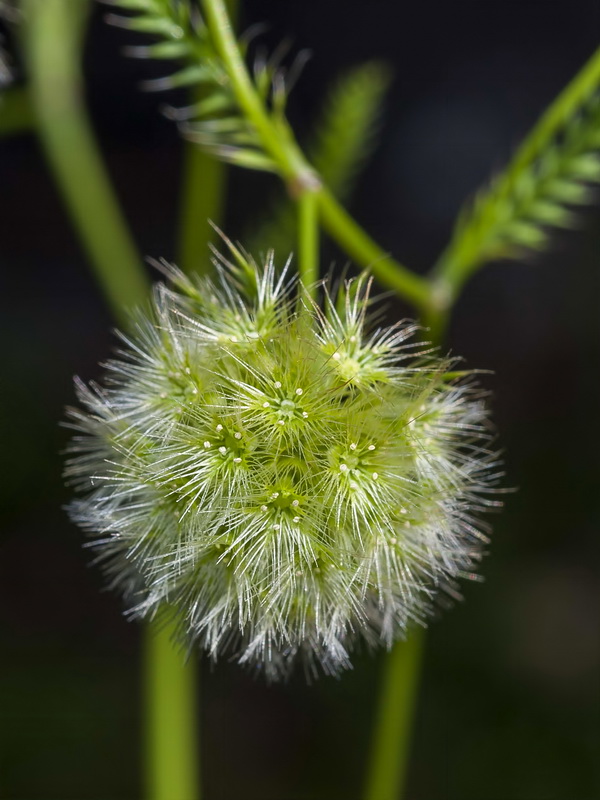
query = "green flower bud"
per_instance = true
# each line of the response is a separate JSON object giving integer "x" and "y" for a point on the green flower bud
{"x": 284, "y": 479}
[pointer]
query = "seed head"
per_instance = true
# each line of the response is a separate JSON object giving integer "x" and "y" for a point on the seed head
{"x": 288, "y": 481}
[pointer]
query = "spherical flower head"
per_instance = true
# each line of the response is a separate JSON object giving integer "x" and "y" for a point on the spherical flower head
{"x": 286, "y": 479}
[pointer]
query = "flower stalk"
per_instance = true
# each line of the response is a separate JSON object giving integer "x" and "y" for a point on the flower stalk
{"x": 172, "y": 764}
{"x": 53, "y": 38}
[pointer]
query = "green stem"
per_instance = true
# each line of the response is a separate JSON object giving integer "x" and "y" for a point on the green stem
{"x": 391, "y": 742}
{"x": 53, "y": 39}
{"x": 560, "y": 111}
{"x": 202, "y": 200}
{"x": 172, "y": 709}
{"x": 393, "y": 732}
{"x": 282, "y": 148}
{"x": 279, "y": 143}
{"x": 435, "y": 320}
{"x": 203, "y": 197}
{"x": 308, "y": 241}
{"x": 387, "y": 770}
{"x": 16, "y": 113}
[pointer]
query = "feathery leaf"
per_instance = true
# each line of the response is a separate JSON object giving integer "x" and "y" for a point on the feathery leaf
{"x": 551, "y": 172}
{"x": 214, "y": 122}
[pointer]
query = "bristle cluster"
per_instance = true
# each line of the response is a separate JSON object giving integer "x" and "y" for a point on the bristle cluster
{"x": 284, "y": 480}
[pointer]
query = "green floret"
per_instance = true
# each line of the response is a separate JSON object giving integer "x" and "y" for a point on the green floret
{"x": 284, "y": 479}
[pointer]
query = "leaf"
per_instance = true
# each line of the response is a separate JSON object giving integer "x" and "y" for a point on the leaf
{"x": 552, "y": 172}
{"x": 214, "y": 121}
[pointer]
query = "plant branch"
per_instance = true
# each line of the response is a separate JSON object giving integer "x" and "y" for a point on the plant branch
{"x": 365, "y": 251}
{"x": 203, "y": 195}
{"x": 279, "y": 143}
{"x": 202, "y": 202}
{"x": 547, "y": 173}
{"x": 53, "y": 38}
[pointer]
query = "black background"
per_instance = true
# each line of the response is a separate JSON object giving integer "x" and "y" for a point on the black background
{"x": 509, "y": 708}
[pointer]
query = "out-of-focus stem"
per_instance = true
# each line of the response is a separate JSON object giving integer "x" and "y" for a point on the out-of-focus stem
{"x": 308, "y": 241}
{"x": 53, "y": 34}
{"x": 202, "y": 200}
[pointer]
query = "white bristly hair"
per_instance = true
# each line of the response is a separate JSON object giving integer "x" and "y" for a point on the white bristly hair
{"x": 283, "y": 478}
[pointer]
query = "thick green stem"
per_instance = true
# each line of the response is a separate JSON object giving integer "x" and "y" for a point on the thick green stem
{"x": 172, "y": 753}
{"x": 390, "y": 747}
{"x": 281, "y": 147}
{"x": 308, "y": 241}
{"x": 53, "y": 37}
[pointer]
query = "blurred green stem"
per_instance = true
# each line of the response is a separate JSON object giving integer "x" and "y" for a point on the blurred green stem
{"x": 172, "y": 763}
{"x": 390, "y": 746}
{"x": 308, "y": 241}
{"x": 53, "y": 37}
{"x": 392, "y": 732}
{"x": 203, "y": 197}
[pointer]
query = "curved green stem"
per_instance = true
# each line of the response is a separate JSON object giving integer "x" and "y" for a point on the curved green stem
{"x": 562, "y": 109}
{"x": 279, "y": 143}
{"x": 282, "y": 148}
{"x": 53, "y": 38}
{"x": 308, "y": 241}
{"x": 172, "y": 752}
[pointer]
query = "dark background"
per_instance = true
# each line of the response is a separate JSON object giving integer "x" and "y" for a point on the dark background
{"x": 509, "y": 707}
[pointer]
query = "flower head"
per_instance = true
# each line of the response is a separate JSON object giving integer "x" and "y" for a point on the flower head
{"x": 286, "y": 479}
